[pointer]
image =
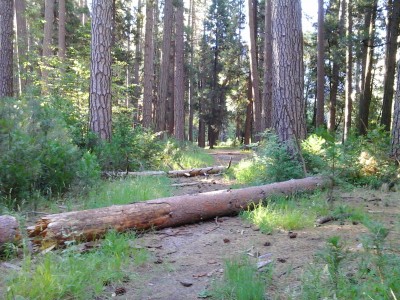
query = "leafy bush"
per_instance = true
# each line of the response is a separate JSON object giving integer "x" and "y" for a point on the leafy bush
{"x": 271, "y": 163}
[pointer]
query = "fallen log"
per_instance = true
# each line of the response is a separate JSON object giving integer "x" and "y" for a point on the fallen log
{"x": 9, "y": 230}
{"x": 175, "y": 173}
{"x": 159, "y": 213}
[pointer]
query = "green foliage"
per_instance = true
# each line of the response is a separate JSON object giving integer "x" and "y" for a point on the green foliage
{"x": 287, "y": 213}
{"x": 126, "y": 191}
{"x": 241, "y": 281}
{"x": 72, "y": 274}
{"x": 38, "y": 154}
{"x": 373, "y": 273}
{"x": 270, "y": 163}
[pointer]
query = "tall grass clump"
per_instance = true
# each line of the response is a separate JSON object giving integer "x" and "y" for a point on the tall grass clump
{"x": 71, "y": 274}
{"x": 287, "y": 213}
{"x": 242, "y": 281}
{"x": 126, "y": 191}
{"x": 270, "y": 163}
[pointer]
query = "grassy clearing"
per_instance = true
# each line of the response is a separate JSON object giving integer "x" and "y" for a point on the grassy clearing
{"x": 288, "y": 213}
{"x": 193, "y": 157}
{"x": 125, "y": 191}
{"x": 241, "y": 281}
{"x": 71, "y": 274}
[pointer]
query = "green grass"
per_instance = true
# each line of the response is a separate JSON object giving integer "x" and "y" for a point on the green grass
{"x": 125, "y": 191}
{"x": 288, "y": 213}
{"x": 241, "y": 281}
{"x": 194, "y": 157}
{"x": 71, "y": 274}
{"x": 248, "y": 172}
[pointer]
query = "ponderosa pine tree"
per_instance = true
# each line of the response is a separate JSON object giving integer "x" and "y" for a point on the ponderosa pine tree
{"x": 100, "y": 69}
{"x": 288, "y": 79}
{"x": 267, "y": 90}
{"x": 47, "y": 42}
{"x": 6, "y": 48}
{"x": 320, "y": 67}
{"x": 395, "y": 140}
{"x": 349, "y": 70}
{"x": 61, "y": 29}
{"x": 21, "y": 42}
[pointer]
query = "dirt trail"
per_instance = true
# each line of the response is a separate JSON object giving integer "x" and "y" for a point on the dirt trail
{"x": 186, "y": 260}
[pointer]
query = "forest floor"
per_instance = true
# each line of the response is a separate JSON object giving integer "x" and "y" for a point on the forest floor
{"x": 187, "y": 260}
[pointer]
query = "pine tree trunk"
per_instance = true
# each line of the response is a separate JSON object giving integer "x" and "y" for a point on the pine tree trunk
{"x": 22, "y": 42}
{"x": 165, "y": 63}
{"x": 366, "y": 87}
{"x": 267, "y": 101}
{"x": 349, "y": 71}
{"x": 179, "y": 84}
{"x": 6, "y": 49}
{"x": 320, "y": 66}
{"x": 390, "y": 62}
{"x": 148, "y": 65}
{"x": 249, "y": 113}
{"x": 100, "y": 70}
{"x": 47, "y": 42}
{"x": 255, "y": 76}
{"x": 192, "y": 24}
{"x": 395, "y": 141}
{"x": 288, "y": 79}
{"x": 61, "y": 29}
{"x": 171, "y": 91}
{"x": 137, "y": 63}
{"x": 337, "y": 58}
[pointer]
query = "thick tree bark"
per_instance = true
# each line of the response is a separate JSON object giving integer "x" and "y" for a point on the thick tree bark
{"x": 61, "y": 29}
{"x": 337, "y": 62}
{"x": 288, "y": 79}
{"x": 22, "y": 43}
{"x": 255, "y": 76}
{"x": 160, "y": 213}
{"x": 9, "y": 230}
{"x": 320, "y": 66}
{"x": 6, "y": 48}
{"x": 249, "y": 113}
{"x": 47, "y": 42}
{"x": 165, "y": 63}
{"x": 390, "y": 62}
{"x": 267, "y": 91}
{"x": 349, "y": 71}
{"x": 179, "y": 84}
{"x": 148, "y": 65}
{"x": 100, "y": 70}
{"x": 192, "y": 25}
{"x": 368, "y": 53}
{"x": 395, "y": 140}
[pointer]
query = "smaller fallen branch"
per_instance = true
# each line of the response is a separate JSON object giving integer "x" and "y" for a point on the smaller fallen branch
{"x": 9, "y": 230}
{"x": 327, "y": 219}
{"x": 176, "y": 173}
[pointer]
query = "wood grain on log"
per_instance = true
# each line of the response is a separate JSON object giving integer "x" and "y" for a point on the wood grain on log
{"x": 160, "y": 213}
{"x": 9, "y": 230}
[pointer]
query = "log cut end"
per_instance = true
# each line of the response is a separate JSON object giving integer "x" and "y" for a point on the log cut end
{"x": 9, "y": 230}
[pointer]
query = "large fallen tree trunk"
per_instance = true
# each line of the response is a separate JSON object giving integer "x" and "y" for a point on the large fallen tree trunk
{"x": 9, "y": 230}
{"x": 160, "y": 213}
{"x": 175, "y": 173}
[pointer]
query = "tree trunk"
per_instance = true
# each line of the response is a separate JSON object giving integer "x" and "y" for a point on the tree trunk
{"x": 61, "y": 29}
{"x": 288, "y": 79}
{"x": 22, "y": 43}
{"x": 100, "y": 70}
{"x": 179, "y": 84}
{"x": 337, "y": 62}
{"x": 6, "y": 48}
{"x": 165, "y": 63}
{"x": 137, "y": 63}
{"x": 320, "y": 66}
{"x": 249, "y": 113}
{"x": 9, "y": 230}
{"x": 390, "y": 62}
{"x": 47, "y": 42}
{"x": 160, "y": 213}
{"x": 368, "y": 53}
{"x": 171, "y": 91}
{"x": 192, "y": 24}
{"x": 349, "y": 71}
{"x": 395, "y": 140}
{"x": 267, "y": 101}
{"x": 201, "y": 139}
{"x": 255, "y": 76}
{"x": 148, "y": 65}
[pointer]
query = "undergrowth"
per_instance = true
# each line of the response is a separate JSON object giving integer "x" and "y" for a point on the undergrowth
{"x": 71, "y": 274}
